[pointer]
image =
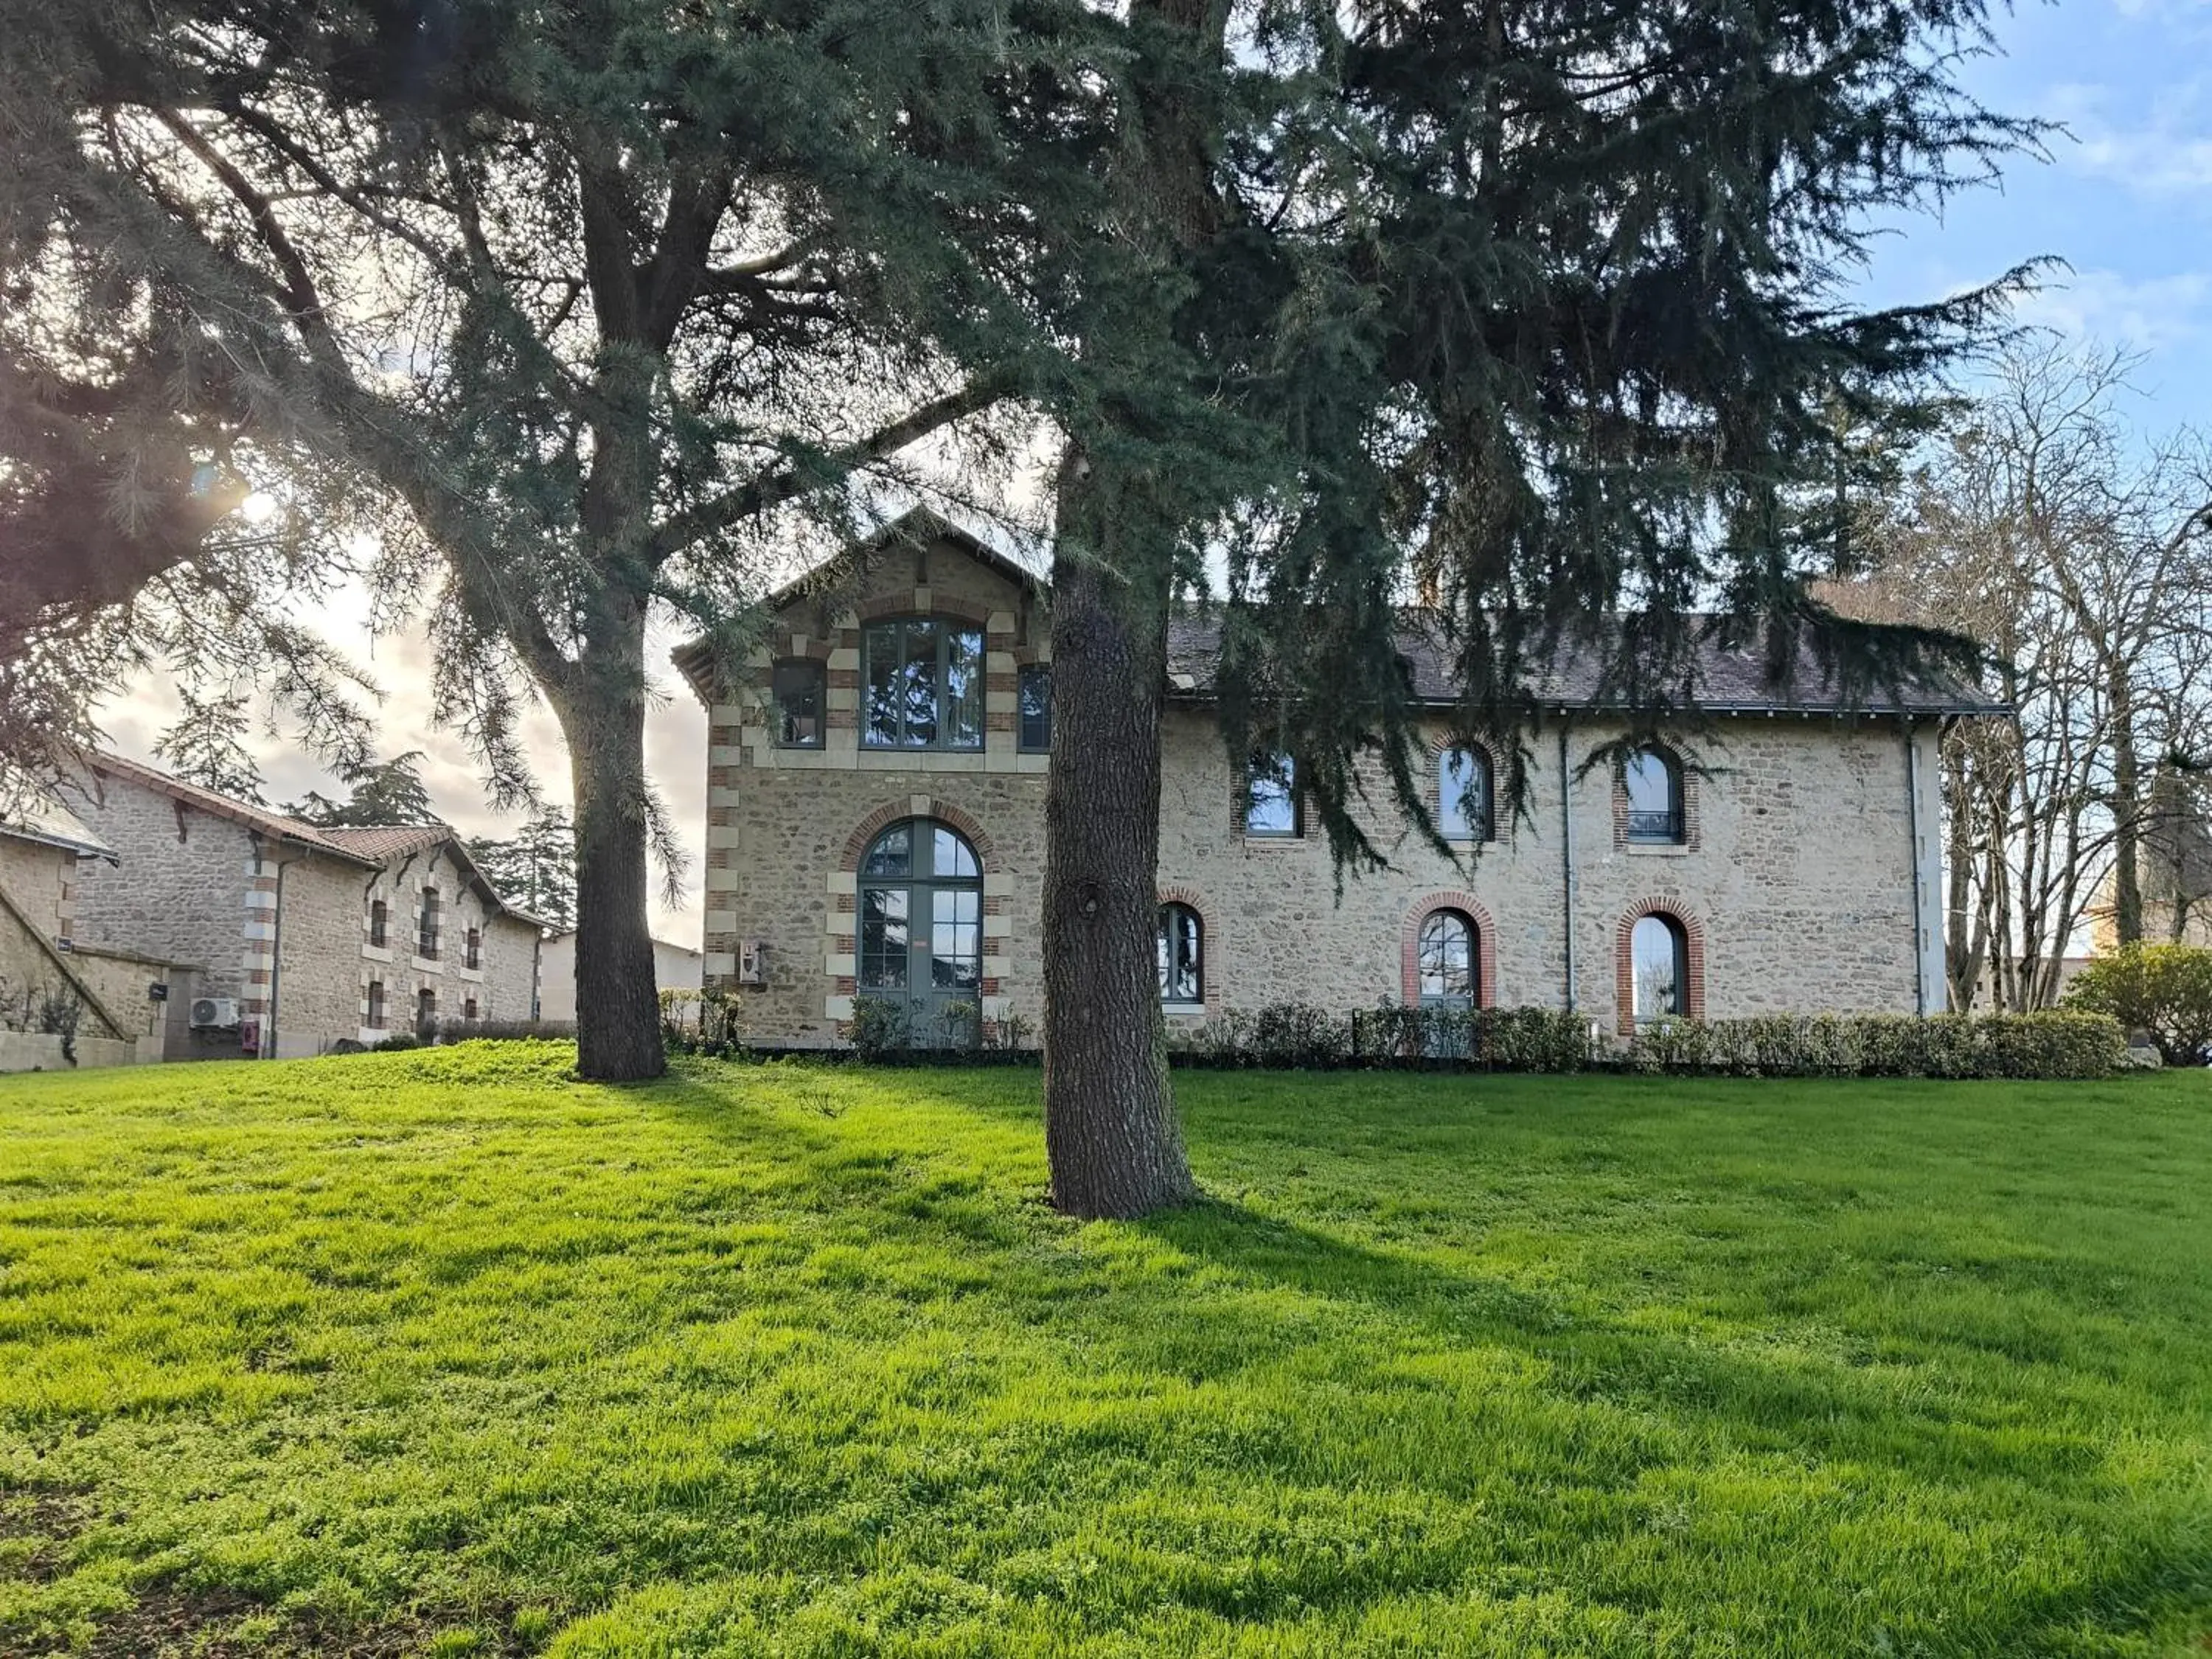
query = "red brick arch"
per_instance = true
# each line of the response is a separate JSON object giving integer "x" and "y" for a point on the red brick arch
{"x": 1486, "y": 944}
{"x": 1441, "y": 744}
{"x": 1213, "y": 953}
{"x": 891, "y": 812}
{"x": 1624, "y": 972}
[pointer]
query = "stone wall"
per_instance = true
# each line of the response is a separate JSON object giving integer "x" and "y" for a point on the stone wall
{"x": 318, "y": 952}
{"x": 42, "y": 880}
{"x": 179, "y": 890}
{"x": 1795, "y": 884}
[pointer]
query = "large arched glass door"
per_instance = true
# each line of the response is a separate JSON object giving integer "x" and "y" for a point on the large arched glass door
{"x": 1449, "y": 966}
{"x": 920, "y": 943}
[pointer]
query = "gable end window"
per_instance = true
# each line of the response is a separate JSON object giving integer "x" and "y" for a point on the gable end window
{"x": 1272, "y": 808}
{"x": 1035, "y": 705}
{"x": 922, "y": 681}
{"x": 798, "y": 689}
{"x": 1463, "y": 794}
{"x": 1183, "y": 956}
{"x": 1653, "y": 783}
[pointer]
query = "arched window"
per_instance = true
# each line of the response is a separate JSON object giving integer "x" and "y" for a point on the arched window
{"x": 920, "y": 941}
{"x": 1182, "y": 955}
{"x": 1654, "y": 785}
{"x": 1659, "y": 968}
{"x": 1463, "y": 794}
{"x": 1446, "y": 958}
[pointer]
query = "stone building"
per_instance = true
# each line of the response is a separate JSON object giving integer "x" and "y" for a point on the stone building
{"x": 876, "y": 777}
{"x": 307, "y": 937}
{"x": 48, "y": 978}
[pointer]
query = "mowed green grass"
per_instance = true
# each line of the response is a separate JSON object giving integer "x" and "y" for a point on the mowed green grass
{"x": 448, "y": 1353}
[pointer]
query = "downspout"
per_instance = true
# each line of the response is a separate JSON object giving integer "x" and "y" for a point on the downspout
{"x": 1912, "y": 850}
{"x": 1567, "y": 864}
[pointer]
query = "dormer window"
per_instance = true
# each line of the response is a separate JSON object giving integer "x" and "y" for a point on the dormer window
{"x": 922, "y": 683}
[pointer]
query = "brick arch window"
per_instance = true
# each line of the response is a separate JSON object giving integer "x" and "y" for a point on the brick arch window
{"x": 1462, "y": 793}
{"x": 1431, "y": 948}
{"x": 864, "y": 833}
{"x": 1659, "y": 965}
{"x": 1189, "y": 952}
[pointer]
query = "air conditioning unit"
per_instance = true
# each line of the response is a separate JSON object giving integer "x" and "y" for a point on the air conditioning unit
{"x": 214, "y": 1011}
{"x": 752, "y": 963}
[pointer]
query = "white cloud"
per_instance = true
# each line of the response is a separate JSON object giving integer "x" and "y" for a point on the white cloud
{"x": 399, "y": 664}
{"x": 2161, "y": 146}
{"x": 2149, "y": 313}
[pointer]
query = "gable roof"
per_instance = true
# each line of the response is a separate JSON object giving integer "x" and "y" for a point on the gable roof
{"x": 370, "y": 847}
{"x": 259, "y": 819}
{"x": 916, "y": 527}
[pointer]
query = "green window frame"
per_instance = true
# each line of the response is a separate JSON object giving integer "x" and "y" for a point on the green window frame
{"x": 921, "y": 684}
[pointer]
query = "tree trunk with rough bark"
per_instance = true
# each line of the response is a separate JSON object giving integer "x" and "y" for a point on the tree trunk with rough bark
{"x": 603, "y": 717}
{"x": 1110, "y": 1134}
{"x": 2127, "y": 813}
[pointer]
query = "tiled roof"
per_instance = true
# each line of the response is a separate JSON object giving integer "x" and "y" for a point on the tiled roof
{"x": 1726, "y": 680}
{"x": 225, "y": 806}
{"x": 382, "y": 841}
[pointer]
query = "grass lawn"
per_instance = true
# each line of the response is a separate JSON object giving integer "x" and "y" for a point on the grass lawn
{"x": 446, "y": 1353}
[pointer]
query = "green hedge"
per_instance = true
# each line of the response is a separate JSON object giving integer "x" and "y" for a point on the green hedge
{"x": 2163, "y": 989}
{"x": 2058, "y": 1044}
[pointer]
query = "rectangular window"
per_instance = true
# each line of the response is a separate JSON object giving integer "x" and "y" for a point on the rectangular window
{"x": 1271, "y": 799}
{"x": 425, "y": 1007}
{"x": 923, "y": 683}
{"x": 800, "y": 689}
{"x": 426, "y": 941}
{"x": 1035, "y": 720}
{"x": 475, "y": 958}
{"x": 884, "y": 940}
{"x": 379, "y": 923}
{"x": 469, "y": 1009}
{"x": 376, "y": 1021}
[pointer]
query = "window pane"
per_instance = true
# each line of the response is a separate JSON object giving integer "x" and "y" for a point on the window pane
{"x": 918, "y": 685}
{"x": 1446, "y": 959}
{"x": 963, "y": 688}
{"x": 883, "y": 937}
{"x": 892, "y": 854}
{"x": 1036, "y": 689}
{"x": 880, "y": 649}
{"x": 1655, "y": 797}
{"x": 1655, "y": 953}
{"x": 953, "y": 856}
{"x": 1271, "y": 807}
{"x": 956, "y": 939}
{"x": 1463, "y": 795}
{"x": 1181, "y": 965}
{"x": 798, "y": 715}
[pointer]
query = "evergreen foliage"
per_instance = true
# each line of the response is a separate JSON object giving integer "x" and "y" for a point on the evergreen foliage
{"x": 535, "y": 868}
{"x": 380, "y": 794}
{"x": 203, "y": 746}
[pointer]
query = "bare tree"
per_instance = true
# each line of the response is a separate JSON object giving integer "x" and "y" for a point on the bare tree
{"x": 2081, "y": 557}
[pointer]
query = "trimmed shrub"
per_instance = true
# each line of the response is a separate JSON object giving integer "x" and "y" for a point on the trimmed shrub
{"x": 2163, "y": 989}
{"x": 1296, "y": 1035}
{"x": 2056, "y": 1044}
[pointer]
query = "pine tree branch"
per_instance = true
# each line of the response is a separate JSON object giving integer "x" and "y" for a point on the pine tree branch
{"x": 760, "y": 494}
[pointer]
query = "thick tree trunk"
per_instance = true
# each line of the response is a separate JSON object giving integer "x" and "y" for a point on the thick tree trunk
{"x": 1109, "y": 1124}
{"x": 603, "y": 716}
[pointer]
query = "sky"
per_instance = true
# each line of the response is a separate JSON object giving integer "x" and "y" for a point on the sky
{"x": 2125, "y": 199}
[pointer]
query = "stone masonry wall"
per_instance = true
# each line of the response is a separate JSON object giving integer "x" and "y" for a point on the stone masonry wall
{"x": 1795, "y": 885}
{"x": 179, "y": 890}
{"x": 319, "y": 950}
{"x": 42, "y": 880}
